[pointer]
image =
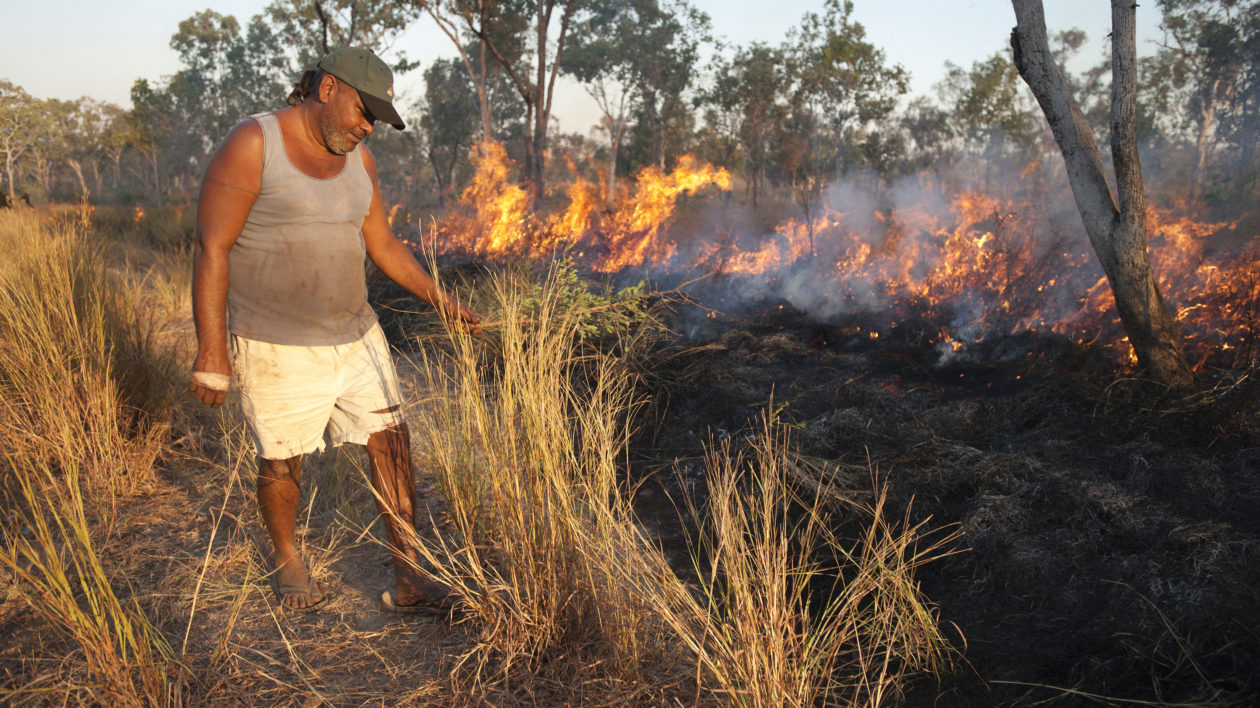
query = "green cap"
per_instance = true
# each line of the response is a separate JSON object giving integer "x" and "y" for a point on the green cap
{"x": 370, "y": 76}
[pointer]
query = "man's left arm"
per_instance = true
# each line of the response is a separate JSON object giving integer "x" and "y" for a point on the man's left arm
{"x": 398, "y": 262}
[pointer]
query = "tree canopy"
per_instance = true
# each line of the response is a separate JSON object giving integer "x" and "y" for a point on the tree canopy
{"x": 787, "y": 116}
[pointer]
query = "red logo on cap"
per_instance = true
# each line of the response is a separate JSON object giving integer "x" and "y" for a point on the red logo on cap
{"x": 390, "y": 90}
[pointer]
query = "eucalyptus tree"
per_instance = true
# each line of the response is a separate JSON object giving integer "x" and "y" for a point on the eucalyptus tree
{"x": 1206, "y": 72}
{"x": 928, "y": 134}
{"x": 992, "y": 112}
{"x": 841, "y": 86}
{"x": 638, "y": 57}
{"x": 151, "y": 125}
{"x": 18, "y": 110}
{"x": 94, "y": 129}
{"x": 226, "y": 74}
{"x": 448, "y": 118}
{"x": 667, "y": 39}
{"x": 747, "y": 94}
{"x": 50, "y": 143}
{"x": 527, "y": 39}
{"x": 313, "y": 28}
{"x": 1114, "y": 221}
{"x": 602, "y": 57}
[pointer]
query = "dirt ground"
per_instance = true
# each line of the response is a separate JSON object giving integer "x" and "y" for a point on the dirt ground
{"x": 1109, "y": 547}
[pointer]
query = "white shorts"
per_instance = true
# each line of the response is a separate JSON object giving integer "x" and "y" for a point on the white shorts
{"x": 291, "y": 394}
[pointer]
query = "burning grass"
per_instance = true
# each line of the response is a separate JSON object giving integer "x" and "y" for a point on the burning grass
{"x": 984, "y": 267}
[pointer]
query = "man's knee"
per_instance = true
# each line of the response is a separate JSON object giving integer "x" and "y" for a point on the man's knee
{"x": 284, "y": 470}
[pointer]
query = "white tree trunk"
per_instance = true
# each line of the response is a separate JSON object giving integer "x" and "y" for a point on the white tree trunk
{"x": 1203, "y": 143}
{"x": 1116, "y": 227}
{"x": 8, "y": 170}
{"x": 78, "y": 172}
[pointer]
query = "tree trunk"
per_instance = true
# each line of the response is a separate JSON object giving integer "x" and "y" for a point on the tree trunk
{"x": 42, "y": 170}
{"x": 614, "y": 144}
{"x": 440, "y": 177}
{"x": 540, "y": 115}
{"x": 1203, "y": 142}
{"x": 78, "y": 172}
{"x": 1116, "y": 231}
{"x": 533, "y": 186}
{"x": 8, "y": 170}
{"x": 657, "y": 123}
{"x": 483, "y": 98}
{"x": 157, "y": 178}
{"x": 612, "y": 172}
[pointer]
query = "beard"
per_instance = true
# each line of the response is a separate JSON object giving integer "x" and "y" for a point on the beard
{"x": 338, "y": 142}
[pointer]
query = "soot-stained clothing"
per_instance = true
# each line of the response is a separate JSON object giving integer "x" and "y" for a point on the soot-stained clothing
{"x": 297, "y": 272}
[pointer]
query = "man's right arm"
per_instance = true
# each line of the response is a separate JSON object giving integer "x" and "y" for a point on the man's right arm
{"x": 228, "y": 191}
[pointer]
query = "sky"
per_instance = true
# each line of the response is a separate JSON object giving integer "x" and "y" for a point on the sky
{"x": 71, "y": 48}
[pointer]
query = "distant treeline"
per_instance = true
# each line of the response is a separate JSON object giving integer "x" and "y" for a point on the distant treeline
{"x": 786, "y": 118}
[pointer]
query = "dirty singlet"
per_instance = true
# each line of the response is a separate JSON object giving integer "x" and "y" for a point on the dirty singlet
{"x": 296, "y": 274}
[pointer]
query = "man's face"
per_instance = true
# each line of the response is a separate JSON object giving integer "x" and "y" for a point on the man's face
{"x": 346, "y": 122}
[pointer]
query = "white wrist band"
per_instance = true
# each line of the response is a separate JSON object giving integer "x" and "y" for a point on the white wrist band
{"x": 214, "y": 382}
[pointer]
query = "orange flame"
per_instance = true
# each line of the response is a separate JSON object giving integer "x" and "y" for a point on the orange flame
{"x": 494, "y": 219}
{"x": 977, "y": 263}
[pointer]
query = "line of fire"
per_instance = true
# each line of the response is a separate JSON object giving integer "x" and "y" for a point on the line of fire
{"x": 982, "y": 264}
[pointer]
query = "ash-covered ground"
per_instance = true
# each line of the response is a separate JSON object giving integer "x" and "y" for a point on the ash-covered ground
{"x": 1109, "y": 530}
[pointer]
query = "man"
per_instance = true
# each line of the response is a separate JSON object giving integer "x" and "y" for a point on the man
{"x": 289, "y": 207}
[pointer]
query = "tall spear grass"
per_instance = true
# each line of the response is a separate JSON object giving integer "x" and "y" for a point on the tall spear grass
{"x": 789, "y": 612}
{"x": 526, "y": 438}
{"x": 47, "y": 545}
{"x": 84, "y": 400}
{"x": 81, "y": 381}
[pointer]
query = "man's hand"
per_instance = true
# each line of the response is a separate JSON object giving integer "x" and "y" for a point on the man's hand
{"x": 210, "y": 381}
{"x": 460, "y": 316}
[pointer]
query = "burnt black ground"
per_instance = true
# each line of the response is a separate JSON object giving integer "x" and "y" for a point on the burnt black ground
{"x": 1109, "y": 530}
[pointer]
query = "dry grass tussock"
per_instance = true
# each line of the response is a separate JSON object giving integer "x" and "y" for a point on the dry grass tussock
{"x": 526, "y": 438}
{"x": 82, "y": 381}
{"x": 84, "y": 399}
{"x": 791, "y": 612}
